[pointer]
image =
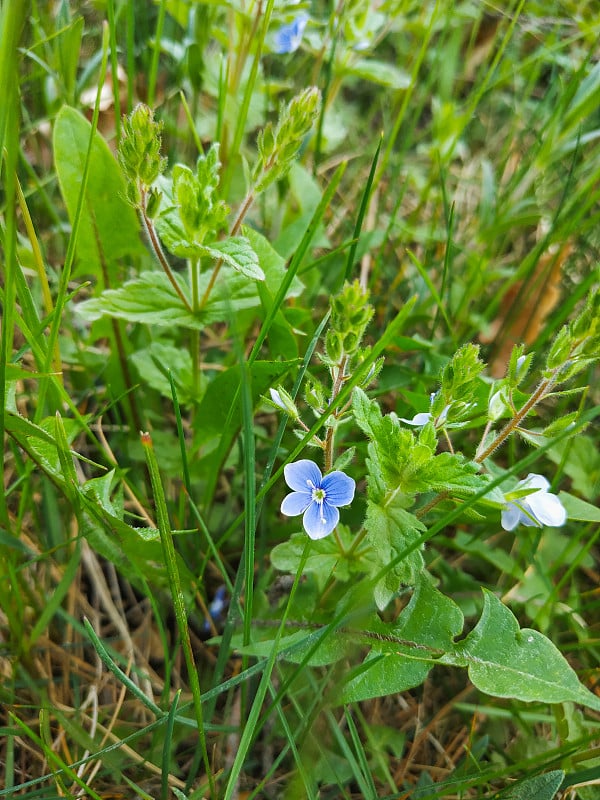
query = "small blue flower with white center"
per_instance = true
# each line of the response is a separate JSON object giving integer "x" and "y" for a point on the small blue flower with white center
{"x": 538, "y": 508}
{"x": 316, "y": 497}
{"x": 289, "y": 37}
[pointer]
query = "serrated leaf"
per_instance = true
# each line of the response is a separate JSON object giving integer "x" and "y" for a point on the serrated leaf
{"x": 153, "y": 362}
{"x": 391, "y": 530}
{"x": 324, "y": 559}
{"x": 109, "y": 228}
{"x": 366, "y": 413}
{"x": 238, "y": 253}
{"x": 174, "y": 236}
{"x": 505, "y": 661}
{"x": 453, "y": 473}
{"x": 151, "y": 299}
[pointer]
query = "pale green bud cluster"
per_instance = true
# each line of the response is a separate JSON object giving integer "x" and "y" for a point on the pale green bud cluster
{"x": 351, "y": 312}
{"x": 139, "y": 152}
{"x": 315, "y": 395}
{"x": 459, "y": 382}
{"x": 199, "y": 209}
{"x": 501, "y": 403}
{"x": 279, "y": 145}
{"x": 577, "y": 344}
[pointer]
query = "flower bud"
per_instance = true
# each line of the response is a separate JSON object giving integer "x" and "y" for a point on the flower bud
{"x": 334, "y": 348}
{"x": 153, "y": 202}
{"x": 139, "y": 149}
{"x": 560, "y": 349}
{"x": 497, "y": 405}
{"x": 281, "y": 399}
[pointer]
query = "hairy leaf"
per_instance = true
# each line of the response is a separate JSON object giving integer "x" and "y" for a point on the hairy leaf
{"x": 505, "y": 661}
{"x": 404, "y": 653}
{"x": 151, "y": 299}
{"x": 238, "y": 253}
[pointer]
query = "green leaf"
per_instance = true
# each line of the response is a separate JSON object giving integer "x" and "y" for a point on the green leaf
{"x": 539, "y": 787}
{"x": 452, "y": 472}
{"x": 238, "y": 253}
{"x": 174, "y": 236}
{"x": 153, "y": 362}
{"x": 324, "y": 559}
{"x": 380, "y": 72}
{"x": 403, "y": 655}
{"x": 109, "y": 228}
{"x": 579, "y": 509}
{"x": 223, "y": 391}
{"x": 366, "y": 413}
{"x": 505, "y": 661}
{"x": 272, "y": 264}
{"x": 391, "y": 530}
{"x": 152, "y": 300}
{"x": 459, "y": 380}
{"x": 137, "y": 554}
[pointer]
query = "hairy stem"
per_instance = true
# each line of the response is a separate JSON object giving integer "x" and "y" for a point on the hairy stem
{"x": 340, "y": 375}
{"x": 244, "y": 208}
{"x": 543, "y": 389}
{"x": 160, "y": 255}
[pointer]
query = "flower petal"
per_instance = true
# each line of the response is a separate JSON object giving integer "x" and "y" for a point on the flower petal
{"x": 535, "y": 481}
{"x": 289, "y": 37}
{"x": 296, "y": 503}
{"x": 302, "y": 475}
{"x": 419, "y": 420}
{"x": 547, "y": 508}
{"x": 276, "y": 398}
{"x": 510, "y": 517}
{"x": 320, "y": 519}
{"x": 339, "y": 488}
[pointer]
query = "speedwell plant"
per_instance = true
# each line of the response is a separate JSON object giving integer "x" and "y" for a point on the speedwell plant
{"x": 370, "y": 562}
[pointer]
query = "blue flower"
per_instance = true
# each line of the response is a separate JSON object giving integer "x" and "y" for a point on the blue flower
{"x": 316, "y": 497}
{"x": 216, "y": 609}
{"x": 538, "y": 508}
{"x": 289, "y": 37}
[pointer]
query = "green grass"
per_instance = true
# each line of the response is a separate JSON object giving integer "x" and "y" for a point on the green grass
{"x": 453, "y": 168}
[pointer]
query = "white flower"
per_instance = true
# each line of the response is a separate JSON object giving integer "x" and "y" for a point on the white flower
{"x": 538, "y": 508}
{"x": 419, "y": 420}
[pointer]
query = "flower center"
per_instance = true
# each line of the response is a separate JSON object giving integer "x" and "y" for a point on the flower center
{"x": 318, "y": 495}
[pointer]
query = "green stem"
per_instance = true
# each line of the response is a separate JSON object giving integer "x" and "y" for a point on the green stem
{"x": 159, "y": 252}
{"x": 542, "y": 390}
{"x": 338, "y": 382}
{"x": 512, "y": 424}
{"x": 166, "y": 538}
{"x": 195, "y": 340}
{"x": 244, "y": 208}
